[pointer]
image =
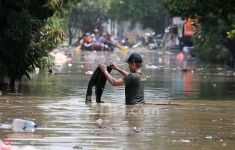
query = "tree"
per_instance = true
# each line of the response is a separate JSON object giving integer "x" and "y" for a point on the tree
{"x": 29, "y": 29}
{"x": 150, "y": 13}
{"x": 90, "y": 14}
{"x": 86, "y": 16}
{"x": 217, "y": 19}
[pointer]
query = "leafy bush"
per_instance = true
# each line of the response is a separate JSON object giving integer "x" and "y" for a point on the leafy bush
{"x": 210, "y": 49}
{"x": 29, "y": 29}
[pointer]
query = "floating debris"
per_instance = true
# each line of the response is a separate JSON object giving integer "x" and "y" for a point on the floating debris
{"x": 214, "y": 85}
{"x": 37, "y": 70}
{"x": 89, "y": 72}
{"x": 185, "y": 141}
{"x": 4, "y": 146}
{"x": 209, "y": 137}
{"x": 70, "y": 65}
{"x": 77, "y": 147}
{"x": 5, "y": 126}
{"x": 136, "y": 129}
{"x": 151, "y": 66}
{"x": 99, "y": 121}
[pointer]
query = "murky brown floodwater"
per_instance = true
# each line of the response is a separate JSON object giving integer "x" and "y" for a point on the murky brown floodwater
{"x": 201, "y": 115}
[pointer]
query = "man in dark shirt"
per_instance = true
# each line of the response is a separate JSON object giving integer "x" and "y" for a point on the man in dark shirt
{"x": 133, "y": 82}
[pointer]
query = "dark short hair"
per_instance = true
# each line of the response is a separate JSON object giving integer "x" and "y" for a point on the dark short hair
{"x": 139, "y": 65}
{"x": 134, "y": 57}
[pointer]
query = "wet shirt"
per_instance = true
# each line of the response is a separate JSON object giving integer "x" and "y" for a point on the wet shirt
{"x": 134, "y": 89}
{"x": 87, "y": 39}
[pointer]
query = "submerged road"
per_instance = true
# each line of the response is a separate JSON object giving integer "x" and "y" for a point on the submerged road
{"x": 200, "y": 114}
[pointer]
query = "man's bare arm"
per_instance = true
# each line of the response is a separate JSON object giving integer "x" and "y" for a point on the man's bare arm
{"x": 123, "y": 72}
{"x": 112, "y": 80}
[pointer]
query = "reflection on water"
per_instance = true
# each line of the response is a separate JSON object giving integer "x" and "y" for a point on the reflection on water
{"x": 56, "y": 103}
{"x": 166, "y": 80}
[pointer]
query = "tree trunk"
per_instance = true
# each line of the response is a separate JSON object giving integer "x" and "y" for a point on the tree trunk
{"x": 2, "y": 84}
{"x": 20, "y": 86}
{"x": 70, "y": 34}
{"x": 1, "y": 76}
{"x": 230, "y": 44}
{"x": 12, "y": 84}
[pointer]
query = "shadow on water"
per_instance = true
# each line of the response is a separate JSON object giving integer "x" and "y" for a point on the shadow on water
{"x": 56, "y": 103}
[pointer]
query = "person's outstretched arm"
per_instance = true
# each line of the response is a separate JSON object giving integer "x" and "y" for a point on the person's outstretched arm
{"x": 112, "y": 80}
{"x": 123, "y": 72}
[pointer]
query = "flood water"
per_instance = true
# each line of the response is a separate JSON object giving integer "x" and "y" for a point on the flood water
{"x": 191, "y": 109}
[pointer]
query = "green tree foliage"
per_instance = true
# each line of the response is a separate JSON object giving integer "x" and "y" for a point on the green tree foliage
{"x": 29, "y": 29}
{"x": 150, "y": 13}
{"x": 87, "y": 15}
{"x": 90, "y": 14}
{"x": 231, "y": 33}
{"x": 50, "y": 35}
{"x": 217, "y": 19}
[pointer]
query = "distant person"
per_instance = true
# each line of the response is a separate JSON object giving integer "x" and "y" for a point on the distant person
{"x": 110, "y": 42}
{"x": 126, "y": 42}
{"x": 86, "y": 42}
{"x": 98, "y": 43}
{"x": 133, "y": 81}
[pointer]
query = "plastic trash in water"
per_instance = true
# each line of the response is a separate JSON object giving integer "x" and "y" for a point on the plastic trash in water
{"x": 5, "y": 127}
{"x": 20, "y": 125}
{"x": 89, "y": 72}
{"x": 180, "y": 56}
{"x": 70, "y": 65}
{"x": 148, "y": 66}
{"x": 37, "y": 70}
{"x": 4, "y": 146}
